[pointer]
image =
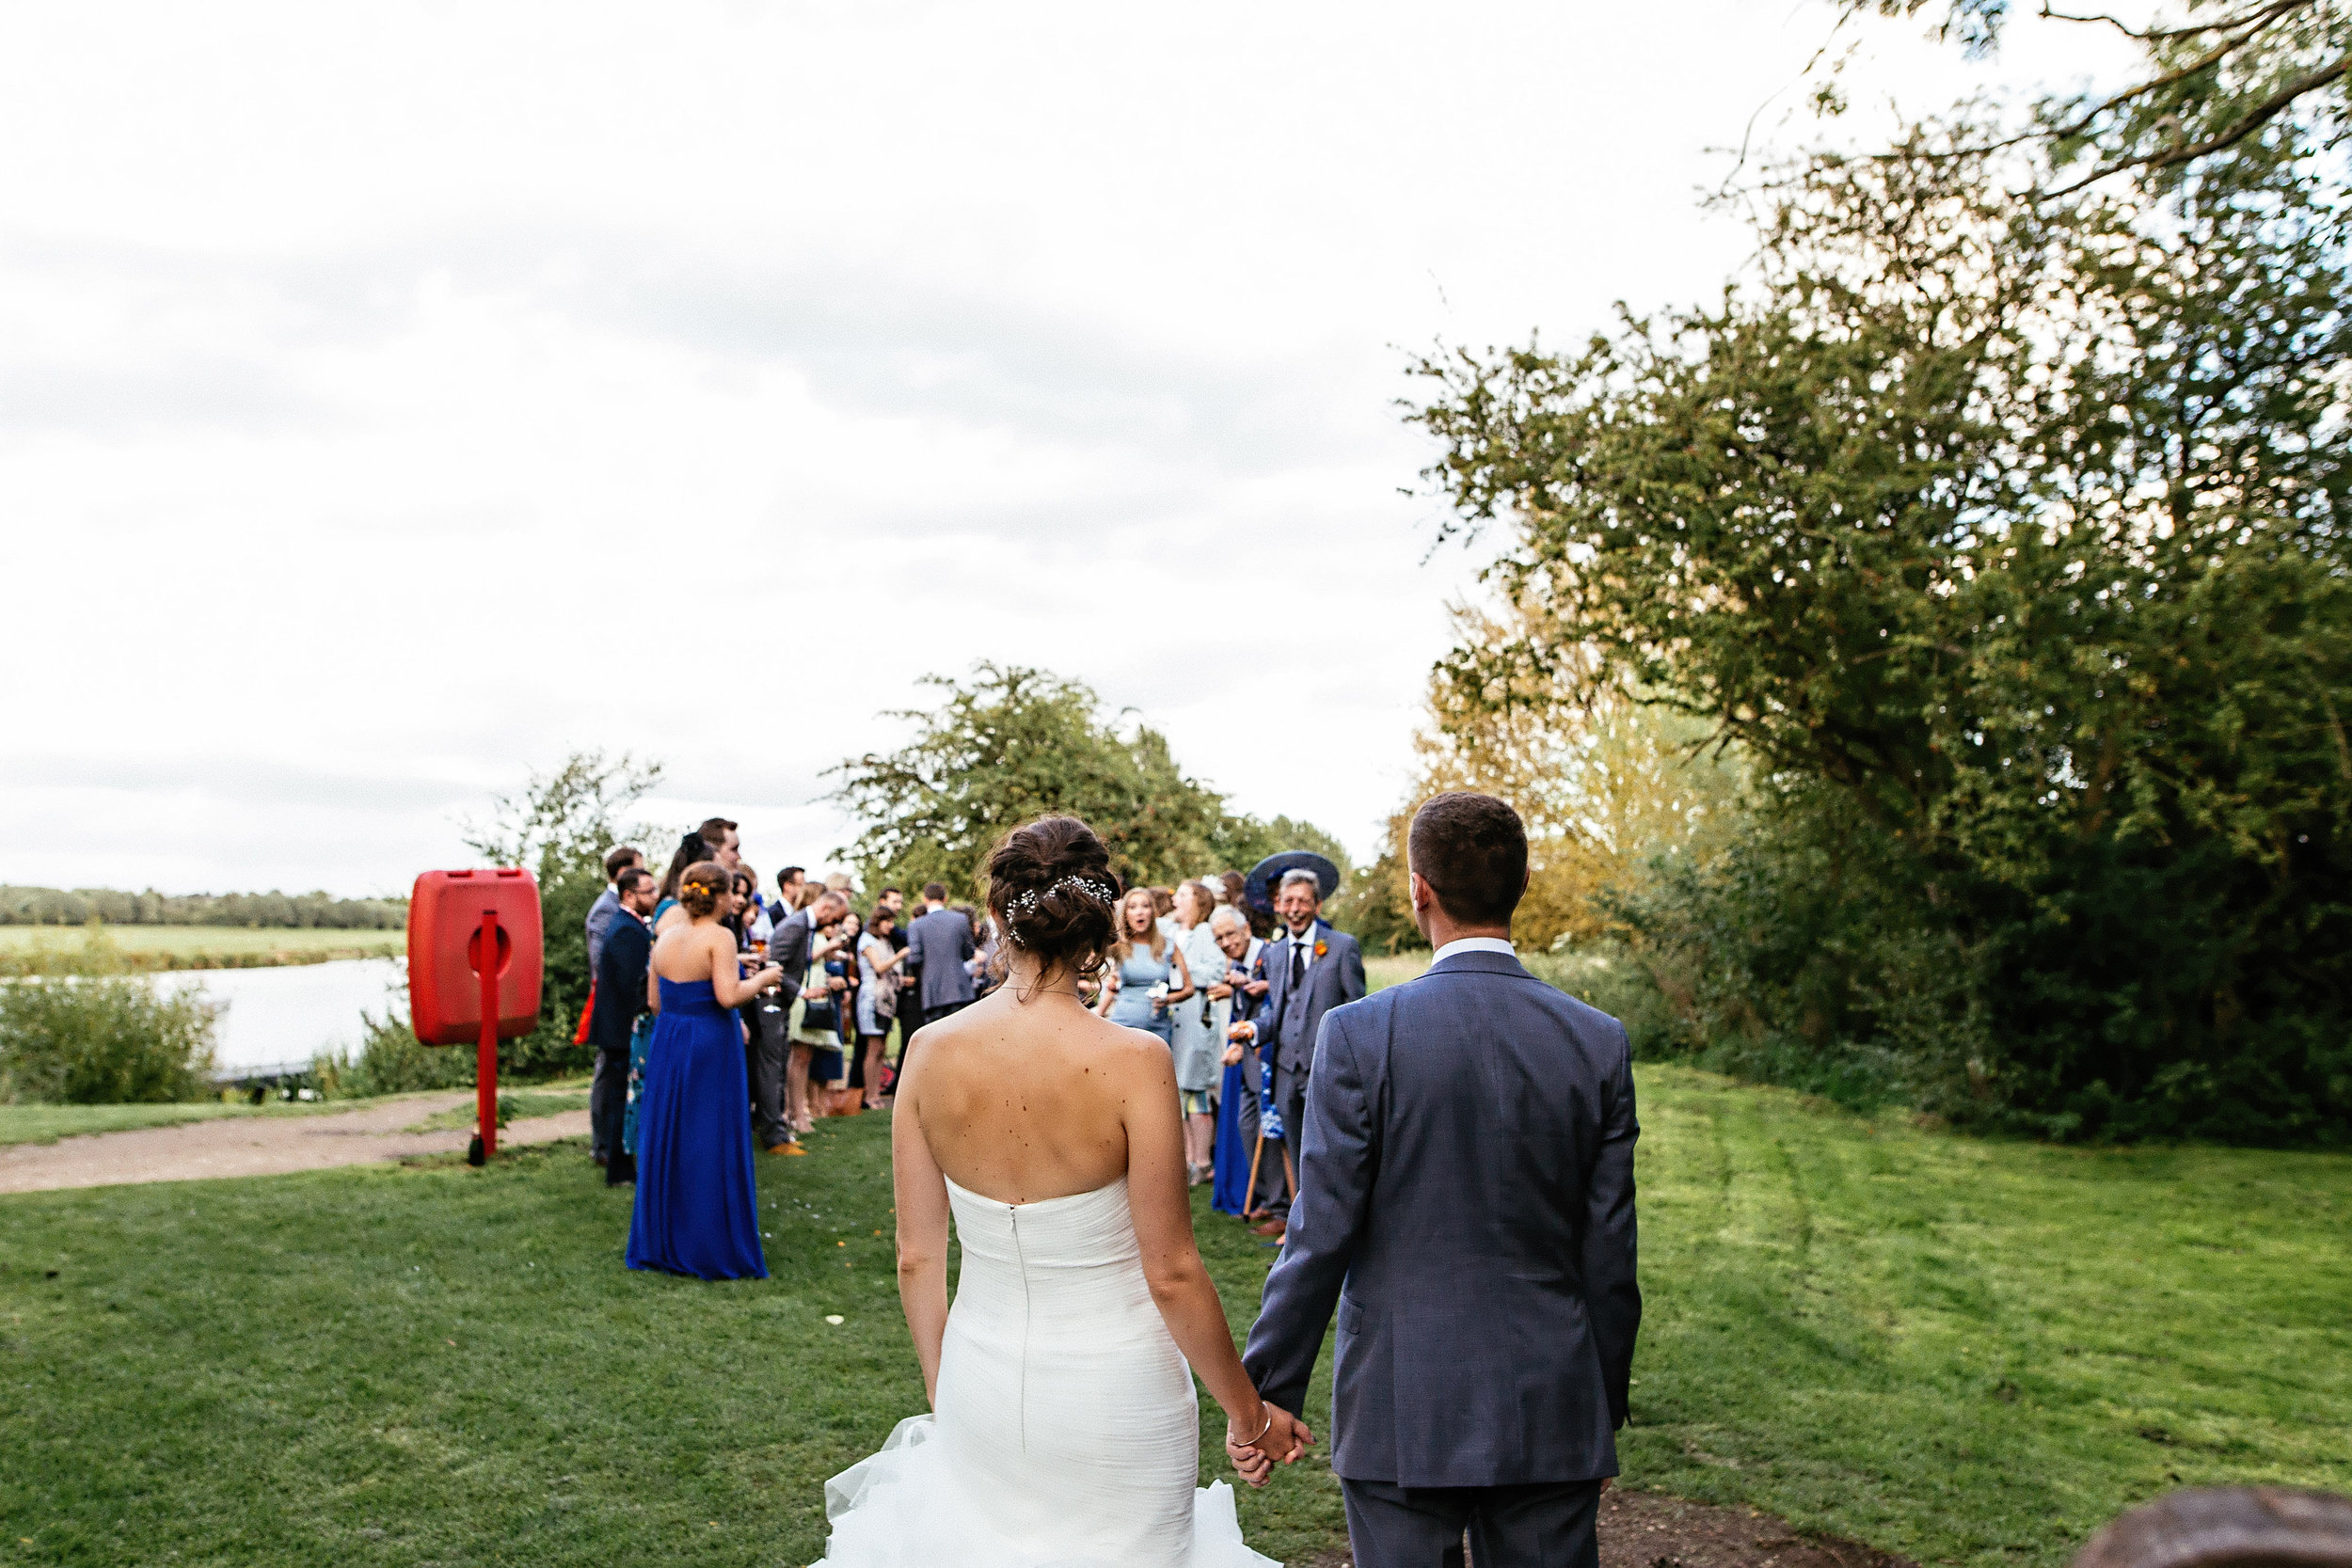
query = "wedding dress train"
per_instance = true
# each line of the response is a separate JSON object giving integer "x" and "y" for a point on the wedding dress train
{"x": 1067, "y": 1429}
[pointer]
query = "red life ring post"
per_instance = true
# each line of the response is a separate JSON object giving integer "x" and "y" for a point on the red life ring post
{"x": 474, "y": 971}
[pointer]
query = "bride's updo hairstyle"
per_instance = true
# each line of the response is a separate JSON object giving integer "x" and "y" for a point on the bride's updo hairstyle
{"x": 701, "y": 885}
{"x": 1051, "y": 888}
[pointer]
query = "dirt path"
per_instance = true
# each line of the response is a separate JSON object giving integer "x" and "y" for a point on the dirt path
{"x": 257, "y": 1145}
{"x": 1648, "y": 1530}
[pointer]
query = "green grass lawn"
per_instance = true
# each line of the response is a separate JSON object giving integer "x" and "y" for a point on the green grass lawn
{"x": 188, "y": 946}
{"x": 1966, "y": 1352}
{"x": 44, "y": 1124}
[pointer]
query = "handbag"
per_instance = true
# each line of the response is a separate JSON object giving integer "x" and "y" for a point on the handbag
{"x": 817, "y": 1008}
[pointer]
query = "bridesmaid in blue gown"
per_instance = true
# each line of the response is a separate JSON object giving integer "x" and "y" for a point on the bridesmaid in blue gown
{"x": 697, "y": 1205}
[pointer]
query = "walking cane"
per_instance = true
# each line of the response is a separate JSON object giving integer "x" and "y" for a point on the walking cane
{"x": 1254, "y": 1156}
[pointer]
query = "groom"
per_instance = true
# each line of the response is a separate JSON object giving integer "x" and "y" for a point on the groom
{"x": 1466, "y": 1199}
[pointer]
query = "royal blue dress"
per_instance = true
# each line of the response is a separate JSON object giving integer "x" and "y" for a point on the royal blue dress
{"x": 1232, "y": 1149}
{"x": 697, "y": 1204}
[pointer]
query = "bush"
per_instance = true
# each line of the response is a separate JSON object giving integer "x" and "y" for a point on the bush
{"x": 390, "y": 1059}
{"x": 103, "y": 1039}
{"x": 1824, "y": 953}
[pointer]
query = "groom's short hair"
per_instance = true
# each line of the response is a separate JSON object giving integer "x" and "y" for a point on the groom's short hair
{"x": 1471, "y": 850}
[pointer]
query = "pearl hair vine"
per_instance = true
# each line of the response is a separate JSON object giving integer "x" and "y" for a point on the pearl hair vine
{"x": 1024, "y": 903}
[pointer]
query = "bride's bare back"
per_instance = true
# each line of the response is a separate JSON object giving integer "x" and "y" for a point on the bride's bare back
{"x": 1022, "y": 1102}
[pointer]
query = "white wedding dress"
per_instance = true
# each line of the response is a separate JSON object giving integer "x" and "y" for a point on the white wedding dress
{"x": 1067, "y": 1429}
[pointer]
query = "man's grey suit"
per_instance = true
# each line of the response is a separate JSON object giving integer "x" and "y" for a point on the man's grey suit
{"x": 1466, "y": 1202}
{"x": 1288, "y": 1021}
{"x": 941, "y": 941}
{"x": 788, "y": 945}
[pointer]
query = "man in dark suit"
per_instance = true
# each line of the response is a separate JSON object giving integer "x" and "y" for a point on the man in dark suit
{"x": 1311, "y": 968}
{"x": 780, "y": 1075}
{"x": 622, "y": 958}
{"x": 940, "y": 943}
{"x": 1466, "y": 1200}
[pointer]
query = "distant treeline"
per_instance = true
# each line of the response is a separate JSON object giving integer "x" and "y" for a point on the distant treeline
{"x": 49, "y": 905}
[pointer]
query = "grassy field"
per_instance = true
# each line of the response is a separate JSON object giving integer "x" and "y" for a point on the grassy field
{"x": 1970, "y": 1353}
{"x": 1392, "y": 968}
{"x": 203, "y": 946}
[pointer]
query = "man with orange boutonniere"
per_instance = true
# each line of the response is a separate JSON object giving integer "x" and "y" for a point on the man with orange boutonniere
{"x": 1310, "y": 967}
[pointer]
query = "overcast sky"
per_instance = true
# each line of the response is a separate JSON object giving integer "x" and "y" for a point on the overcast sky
{"x": 395, "y": 399}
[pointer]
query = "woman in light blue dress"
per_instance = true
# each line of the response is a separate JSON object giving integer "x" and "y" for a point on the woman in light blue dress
{"x": 1199, "y": 1048}
{"x": 1146, "y": 975}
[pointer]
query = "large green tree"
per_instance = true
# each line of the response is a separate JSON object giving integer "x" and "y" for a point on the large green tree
{"x": 1012, "y": 744}
{"x": 2007, "y": 536}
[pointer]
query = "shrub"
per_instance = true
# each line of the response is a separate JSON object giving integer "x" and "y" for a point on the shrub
{"x": 391, "y": 1060}
{"x": 103, "y": 1039}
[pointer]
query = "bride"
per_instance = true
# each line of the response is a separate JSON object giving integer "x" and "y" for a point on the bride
{"x": 1065, "y": 1430}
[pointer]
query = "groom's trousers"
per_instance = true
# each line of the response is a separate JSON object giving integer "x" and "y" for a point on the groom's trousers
{"x": 1548, "y": 1525}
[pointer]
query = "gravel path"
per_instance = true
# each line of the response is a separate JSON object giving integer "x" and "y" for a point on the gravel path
{"x": 258, "y": 1146}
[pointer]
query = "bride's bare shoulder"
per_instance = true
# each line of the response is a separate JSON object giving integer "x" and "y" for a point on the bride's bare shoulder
{"x": 1131, "y": 1052}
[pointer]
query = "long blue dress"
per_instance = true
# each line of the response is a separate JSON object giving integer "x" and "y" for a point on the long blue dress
{"x": 1232, "y": 1149}
{"x": 697, "y": 1205}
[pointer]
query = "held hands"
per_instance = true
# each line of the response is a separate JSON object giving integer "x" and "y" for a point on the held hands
{"x": 1284, "y": 1437}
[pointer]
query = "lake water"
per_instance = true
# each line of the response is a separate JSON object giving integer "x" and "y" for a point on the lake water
{"x": 278, "y": 1018}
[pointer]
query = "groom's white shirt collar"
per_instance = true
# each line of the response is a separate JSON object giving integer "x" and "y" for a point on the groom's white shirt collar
{"x": 1474, "y": 944}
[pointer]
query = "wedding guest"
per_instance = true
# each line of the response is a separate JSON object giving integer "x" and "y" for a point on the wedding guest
{"x": 939, "y": 945}
{"x": 791, "y": 884}
{"x": 746, "y": 889}
{"x": 1146, "y": 974}
{"x": 817, "y": 1017}
{"x": 608, "y": 904}
{"x": 697, "y": 1205}
{"x": 715, "y": 841}
{"x": 1310, "y": 969}
{"x": 792, "y": 947}
{"x": 759, "y": 924}
{"x": 850, "y": 1098}
{"x": 1237, "y": 894}
{"x": 739, "y": 921}
{"x": 878, "y": 994}
{"x": 1163, "y": 905}
{"x": 1199, "y": 1049}
{"x": 690, "y": 853}
{"x": 910, "y": 1002}
{"x": 1240, "y": 1158}
{"x": 611, "y": 1078}
{"x": 621, "y": 960}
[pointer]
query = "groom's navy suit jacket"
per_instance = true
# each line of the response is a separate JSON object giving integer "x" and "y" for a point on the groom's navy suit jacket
{"x": 1466, "y": 1198}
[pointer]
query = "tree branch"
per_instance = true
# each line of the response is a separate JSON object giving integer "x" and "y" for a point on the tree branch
{"x": 2261, "y": 113}
{"x": 2160, "y": 34}
{"x": 2212, "y": 57}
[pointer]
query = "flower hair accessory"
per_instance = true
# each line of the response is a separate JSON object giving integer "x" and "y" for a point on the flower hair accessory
{"x": 1020, "y": 905}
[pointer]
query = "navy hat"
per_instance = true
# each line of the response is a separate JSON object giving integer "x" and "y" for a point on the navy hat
{"x": 1258, "y": 890}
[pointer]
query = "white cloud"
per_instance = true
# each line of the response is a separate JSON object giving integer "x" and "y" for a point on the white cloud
{"x": 392, "y": 401}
